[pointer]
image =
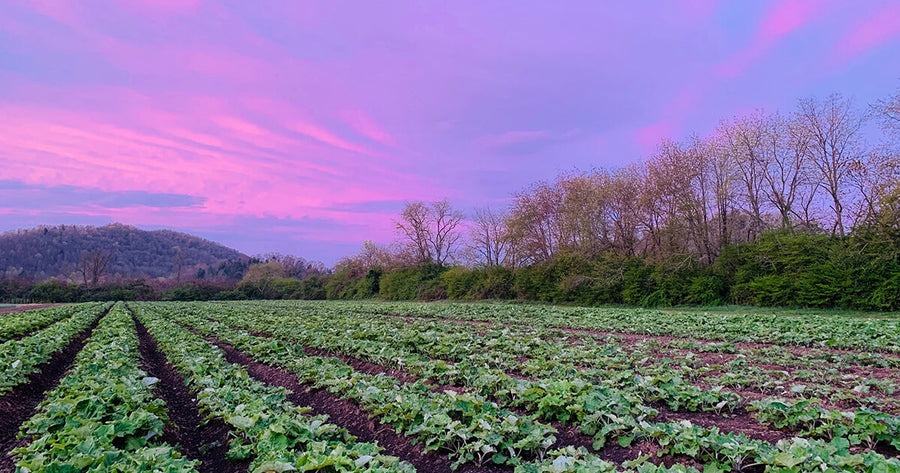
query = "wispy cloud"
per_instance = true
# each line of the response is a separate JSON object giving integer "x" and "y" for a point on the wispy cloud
{"x": 877, "y": 30}
{"x": 298, "y": 116}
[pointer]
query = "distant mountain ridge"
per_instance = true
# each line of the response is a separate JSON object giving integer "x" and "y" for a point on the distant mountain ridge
{"x": 55, "y": 251}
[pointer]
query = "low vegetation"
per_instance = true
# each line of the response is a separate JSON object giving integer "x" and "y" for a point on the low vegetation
{"x": 466, "y": 387}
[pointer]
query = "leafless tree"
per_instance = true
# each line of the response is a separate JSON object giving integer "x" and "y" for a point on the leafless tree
{"x": 446, "y": 234}
{"x": 745, "y": 138}
{"x": 786, "y": 167}
{"x": 889, "y": 112}
{"x": 533, "y": 223}
{"x": 488, "y": 236}
{"x": 415, "y": 226}
{"x": 832, "y": 126}
{"x": 92, "y": 265}
{"x": 431, "y": 230}
{"x": 373, "y": 255}
{"x": 624, "y": 208}
{"x": 876, "y": 178}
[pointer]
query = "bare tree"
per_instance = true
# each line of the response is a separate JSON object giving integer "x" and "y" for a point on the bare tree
{"x": 723, "y": 174}
{"x": 624, "y": 208}
{"x": 92, "y": 265}
{"x": 876, "y": 179}
{"x": 488, "y": 236}
{"x": 889, "y": 112}
{"x": 431, "y": 230}
{"x": 415, "y": 226}
{"x": 745, "y": 137}
{"x": 372, "y": 256}
{"x": 832, "y": 127}
{"x": 445, "y": 235}
{"x": 533, "y": 223}
{"x": 787, "y": 167}
{"x": 178, "y": 263}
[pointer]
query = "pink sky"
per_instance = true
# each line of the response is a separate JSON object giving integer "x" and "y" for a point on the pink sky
{"x": 303, "y": 127}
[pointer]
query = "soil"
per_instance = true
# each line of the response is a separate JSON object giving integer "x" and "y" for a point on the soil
{"x": 23, "y": 308}
{"x": 21, "y": 403}
{"x": 740, "y": 422}
{"x": 196, "y": 439}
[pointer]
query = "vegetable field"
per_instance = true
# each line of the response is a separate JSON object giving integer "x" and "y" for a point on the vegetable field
{"x": 280, "y": 386}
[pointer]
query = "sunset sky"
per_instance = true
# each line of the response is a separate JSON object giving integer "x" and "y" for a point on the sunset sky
{"x": 303, "y": 127}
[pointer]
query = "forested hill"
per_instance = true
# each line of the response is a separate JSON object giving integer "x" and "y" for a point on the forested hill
{"x": 46, "y": 252}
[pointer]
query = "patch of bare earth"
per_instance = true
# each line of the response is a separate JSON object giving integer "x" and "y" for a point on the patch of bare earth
{"x": 197, "y": 439}
{"x": 25, "y": 308}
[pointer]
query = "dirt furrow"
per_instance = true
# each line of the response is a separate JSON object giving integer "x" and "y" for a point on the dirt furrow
{"x": 196, "y": 439}
{"x": 25, "y": 308}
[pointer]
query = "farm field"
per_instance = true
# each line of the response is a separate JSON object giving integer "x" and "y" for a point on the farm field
{"x": 376, "y": 387}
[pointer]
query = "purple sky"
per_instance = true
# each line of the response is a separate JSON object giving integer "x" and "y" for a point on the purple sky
{"x": 303, "y": 127}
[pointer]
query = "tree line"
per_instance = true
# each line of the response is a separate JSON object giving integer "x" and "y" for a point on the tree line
{"x": 743, "y": 215}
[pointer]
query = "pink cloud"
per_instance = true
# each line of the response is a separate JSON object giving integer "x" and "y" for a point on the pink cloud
{"x": 650, "y": 136}
{"x": 782, "y": 19}
{"x": 873, "y": 32}
{"x": 323, "y": 135}
{"x": 272, "y": 177}
{"x": 363, "y": 124}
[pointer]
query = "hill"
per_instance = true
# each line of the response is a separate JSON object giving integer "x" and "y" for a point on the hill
{"x": 46, "y": 251}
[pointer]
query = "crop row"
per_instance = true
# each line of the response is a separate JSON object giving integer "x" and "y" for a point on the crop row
{"x": 473, "y": 356}
{"x": 709, "y": 445}
{"x": 535, "y": 352}
{"x": 23, "y": 357}
{"x": 809, "y": 330}
{"x": 102, "y": 416}
{"x": 18, "y": 324}
{"x": 274, "y": 433}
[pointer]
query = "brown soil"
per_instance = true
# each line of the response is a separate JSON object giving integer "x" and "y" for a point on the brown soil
{"x": 346, "y": 414}
{"x": 196, "y": 439}
{"x": 740, "y": 422}
{"x": 21, "y": 403}
{"x": 24, "y": 308}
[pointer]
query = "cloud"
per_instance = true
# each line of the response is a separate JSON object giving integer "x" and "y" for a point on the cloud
{"x": 364, "y": 125}
{"x": 780, "y": 20}
{"x": 19, "y": 195}
{"x": 875, "y": 31}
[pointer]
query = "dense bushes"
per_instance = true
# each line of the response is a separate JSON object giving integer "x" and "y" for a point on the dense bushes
{"x": 861, "y": 271}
